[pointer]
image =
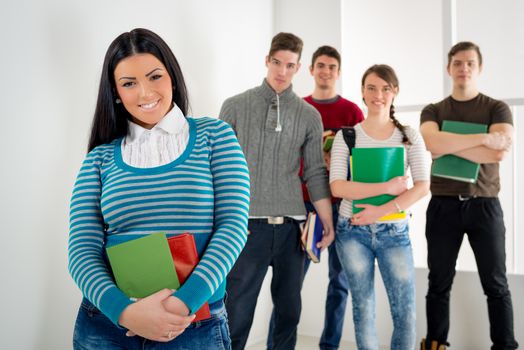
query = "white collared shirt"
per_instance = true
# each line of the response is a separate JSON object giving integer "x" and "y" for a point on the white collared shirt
{"x": 165, "y": 142}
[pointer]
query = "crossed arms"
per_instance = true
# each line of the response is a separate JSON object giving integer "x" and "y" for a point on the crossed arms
{"x": 479, "y": 148}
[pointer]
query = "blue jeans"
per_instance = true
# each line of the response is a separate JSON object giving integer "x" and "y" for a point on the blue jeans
{"x": 336, "y": 298}
{"x": 389, "y": 244}
{"x": 94, "y": 331}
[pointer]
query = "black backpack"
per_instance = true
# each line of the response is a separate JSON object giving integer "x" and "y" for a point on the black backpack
{"x": 349, "y": 137}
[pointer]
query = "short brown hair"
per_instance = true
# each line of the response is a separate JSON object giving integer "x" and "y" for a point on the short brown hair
{"x": 464, "y": 46}
{"x": 326, "y": 51}
{"x": 286, "y": 41}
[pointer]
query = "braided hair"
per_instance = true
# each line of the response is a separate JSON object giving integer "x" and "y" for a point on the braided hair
{"x": 402, "y": 128}
{"x": 386, "y": 73}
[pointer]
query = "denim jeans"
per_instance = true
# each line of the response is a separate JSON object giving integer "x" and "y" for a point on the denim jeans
{"x": 448, "y": 220}
{"x": 94, "y": 331}
{"x": 336, "y": 298}
{"x": 267, "y": 245}
{"x": 358, "y": 247}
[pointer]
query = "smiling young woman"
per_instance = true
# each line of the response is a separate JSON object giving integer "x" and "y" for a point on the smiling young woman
{"x": 150, "y": 168}
{"x": 144, "y": 88}
{"x": 365, "y": 237}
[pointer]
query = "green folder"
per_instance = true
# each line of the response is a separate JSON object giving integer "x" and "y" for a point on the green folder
{"x": 328, "y": 143}
{"x": 143, "y": 266}
{"x": 452, "y": 167}
{"x": 374, "y": 165}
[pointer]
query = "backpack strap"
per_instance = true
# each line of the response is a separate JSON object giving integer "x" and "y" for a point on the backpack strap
{"x": 349, "y": 137}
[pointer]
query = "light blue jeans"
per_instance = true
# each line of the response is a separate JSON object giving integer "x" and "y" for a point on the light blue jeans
{"x": 389, "y": 244}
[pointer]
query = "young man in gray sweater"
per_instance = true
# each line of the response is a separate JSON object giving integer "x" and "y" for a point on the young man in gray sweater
{"x": 276, "y": 128}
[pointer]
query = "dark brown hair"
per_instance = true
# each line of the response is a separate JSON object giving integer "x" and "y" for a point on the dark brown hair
{"x": 386, "y": 73}
{"x": 286, "y": 41}
{"x": 326, "y": 51}
{"x": 464, "y": 46}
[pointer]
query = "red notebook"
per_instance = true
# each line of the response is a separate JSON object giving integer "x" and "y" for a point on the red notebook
{"x": 185, "y": 256}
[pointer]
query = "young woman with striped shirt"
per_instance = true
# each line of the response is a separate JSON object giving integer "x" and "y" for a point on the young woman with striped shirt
{"x": 361, "y": 238}
{"x": 149, "y": 169}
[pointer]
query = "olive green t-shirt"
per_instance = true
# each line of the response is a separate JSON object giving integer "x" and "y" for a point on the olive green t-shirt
{"x": 481, "y": 109}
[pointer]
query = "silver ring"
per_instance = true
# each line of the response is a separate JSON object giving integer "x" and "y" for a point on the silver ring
{"x": 170, "y": 335}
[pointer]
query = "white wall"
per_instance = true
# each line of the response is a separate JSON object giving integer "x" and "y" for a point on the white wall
{"x": 52, "y": 55}
{"x": 394, "y": 33}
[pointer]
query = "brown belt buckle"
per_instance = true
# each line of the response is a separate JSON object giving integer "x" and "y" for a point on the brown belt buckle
{"x": 275, "y": 220}
{"x": 465, "y": 198}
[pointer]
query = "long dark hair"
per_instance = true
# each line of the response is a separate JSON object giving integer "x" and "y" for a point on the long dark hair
{"x": 386, "y": 73}
{"x": 110, "y": 119}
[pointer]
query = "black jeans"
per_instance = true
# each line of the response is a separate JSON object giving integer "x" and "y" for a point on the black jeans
{"x": 336, "y": 298}
{"x": 267, "y": 245}
{"x": 447, "y": 220}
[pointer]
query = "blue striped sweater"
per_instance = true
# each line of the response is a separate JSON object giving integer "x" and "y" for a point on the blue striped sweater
{"x": 205, "y": 192}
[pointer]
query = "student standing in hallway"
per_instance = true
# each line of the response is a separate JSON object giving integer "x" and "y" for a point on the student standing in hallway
{"x": 336, "y": 112}
{"x": 457, "y": 208}
{"x": 276, "y": 128}
{"x": 151, "y": 168}
{"x": 361, "y": 238}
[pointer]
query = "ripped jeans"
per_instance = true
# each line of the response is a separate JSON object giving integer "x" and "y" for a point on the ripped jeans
{"x": 389, "y": 244}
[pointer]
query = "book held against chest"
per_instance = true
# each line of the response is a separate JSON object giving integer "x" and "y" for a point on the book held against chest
{"x": 145, "y": 265}
{"x": 375, "y": 165}
{"x": 452, "y": 167}
{"x": 185, "y": 256}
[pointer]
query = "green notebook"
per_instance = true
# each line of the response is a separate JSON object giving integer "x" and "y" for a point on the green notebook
{"x": 328, "y": 143}
{"x": 453, "y": 167}
{"x": 143, "y": 266}
{"x": 374, "y": 165}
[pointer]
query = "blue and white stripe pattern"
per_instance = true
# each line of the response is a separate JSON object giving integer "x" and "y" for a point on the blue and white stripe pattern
{"x": 204, "y": 192}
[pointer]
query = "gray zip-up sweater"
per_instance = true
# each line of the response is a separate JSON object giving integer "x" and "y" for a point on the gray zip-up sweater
{"x": 274, "y": 156}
